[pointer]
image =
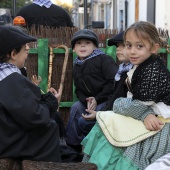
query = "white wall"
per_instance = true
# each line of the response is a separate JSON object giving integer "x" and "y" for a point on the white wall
{"x": 142, "y": 10}
{"x": 120, "y": 6}
{"x": 167, "y": 16}
{"x": 160, "y": 13}
{"x": 163, "y": 14}
{"x": 131, "y": 12}
{"x": 111, "y": 17}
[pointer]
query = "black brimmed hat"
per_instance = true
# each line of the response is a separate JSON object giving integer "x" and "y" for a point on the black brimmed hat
{"x": 85, "y": 34}
{"x": 116, "y": 39}
{"x": 11, "y": 38}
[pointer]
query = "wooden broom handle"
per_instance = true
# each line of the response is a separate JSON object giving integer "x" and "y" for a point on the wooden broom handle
{"x": 50, "y": 68}
{"x": 63, "y": 69}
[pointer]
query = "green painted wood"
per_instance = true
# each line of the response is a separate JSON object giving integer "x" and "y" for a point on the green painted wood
{"x": 74, "y": 95}
{"x": 33, "y": 51}
{"x": 66, "y": 104}
{"x": 61, "y": 51}
{"x": 168, "y": 56}
{"x": 111, "y": 50}
{"x": 162, "y": 50}
{"x": 43, "y": 63}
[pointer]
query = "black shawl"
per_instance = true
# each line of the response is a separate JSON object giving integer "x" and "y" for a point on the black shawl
{"x": 151, "y": 81}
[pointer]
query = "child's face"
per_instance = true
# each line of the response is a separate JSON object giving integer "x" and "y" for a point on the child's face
{"x": 83, "y": 48}
{"x": 19, "y": 58}
{"x": 138, "y": 49}
{"x": 121, "y": 53}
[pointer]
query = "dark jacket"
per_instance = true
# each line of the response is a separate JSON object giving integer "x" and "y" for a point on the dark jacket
{"x": 120, "y": 91}
{"x": 27, "y": 130}
{"x": 95, "y": 77}
{"x": 55, "y": 16}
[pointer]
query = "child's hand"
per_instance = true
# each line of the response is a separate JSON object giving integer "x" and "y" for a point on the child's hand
{"x": 90, "y": 116}
{"x": 56, "y": 93}
{"x": 152, "y": 123}
{"x": 36, "y": 80}
{"x": 91, "y": 103}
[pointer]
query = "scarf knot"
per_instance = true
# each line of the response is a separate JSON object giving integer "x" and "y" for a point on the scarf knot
{"x": 122, "y": 68}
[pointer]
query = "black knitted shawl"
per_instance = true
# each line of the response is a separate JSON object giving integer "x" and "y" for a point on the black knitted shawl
{"x": 151, "y": 81}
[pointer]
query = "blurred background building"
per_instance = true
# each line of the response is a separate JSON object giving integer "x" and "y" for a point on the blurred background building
{"x": 116, "y": 14}
{"x": 119, "y": 14}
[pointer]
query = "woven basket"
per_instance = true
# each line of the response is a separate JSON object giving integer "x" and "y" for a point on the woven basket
{"x": 34, "y": 165}
{"x": 9, "y": 164}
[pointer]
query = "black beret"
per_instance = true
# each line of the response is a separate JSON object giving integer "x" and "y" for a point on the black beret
{"x": 12, "y": 37}
{"x": 116, "y": 39}
{"x": 85, "y": 34}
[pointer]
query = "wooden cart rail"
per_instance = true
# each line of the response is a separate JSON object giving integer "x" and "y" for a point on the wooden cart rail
{"x": 42, "y": 52}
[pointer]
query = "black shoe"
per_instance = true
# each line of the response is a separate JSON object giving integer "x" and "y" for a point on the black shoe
{"x": 69, "y": 154}
{"x": 78, "y": 148}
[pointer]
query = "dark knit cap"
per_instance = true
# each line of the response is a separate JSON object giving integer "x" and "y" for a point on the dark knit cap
{"x": 85, "y": 34}
{"x": 116, "y": 39}
{"x": 12, "y": 37}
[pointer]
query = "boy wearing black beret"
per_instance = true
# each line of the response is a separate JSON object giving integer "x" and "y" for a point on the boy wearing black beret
{"x": 27, "y": 130}
{"x": 93, "y": 75}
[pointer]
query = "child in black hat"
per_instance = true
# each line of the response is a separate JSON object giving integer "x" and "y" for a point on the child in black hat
{"x": 121, "y": 88}
{"x": 93, "y": 74}
{"x": 27, "y": 130}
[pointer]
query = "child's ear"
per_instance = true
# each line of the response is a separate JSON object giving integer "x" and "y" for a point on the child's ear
{"x": 13, "y": 54}
{"x": 73, "y": 50}
{"x": 155, "y": 48}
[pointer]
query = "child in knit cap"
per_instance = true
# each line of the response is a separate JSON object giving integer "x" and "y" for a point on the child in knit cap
{"x": 93, "y": 74}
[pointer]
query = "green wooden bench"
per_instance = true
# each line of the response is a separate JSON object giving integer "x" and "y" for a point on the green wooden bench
{"x": 42, "y": 51}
